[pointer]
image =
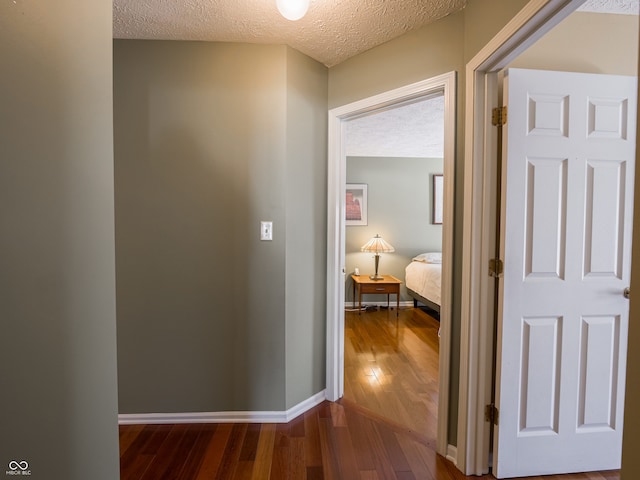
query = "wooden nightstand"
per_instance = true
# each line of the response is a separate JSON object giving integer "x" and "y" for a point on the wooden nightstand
{"x": 388, "y": 285}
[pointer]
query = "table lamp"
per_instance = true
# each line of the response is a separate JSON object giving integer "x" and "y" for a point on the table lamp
{"x": 377, "y": 245}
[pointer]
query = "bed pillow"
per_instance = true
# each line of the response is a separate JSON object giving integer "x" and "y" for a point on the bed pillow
{"x": 432, "y": 257}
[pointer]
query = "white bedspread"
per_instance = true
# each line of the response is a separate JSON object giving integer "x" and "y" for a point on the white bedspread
{"x": 424, "y": 278}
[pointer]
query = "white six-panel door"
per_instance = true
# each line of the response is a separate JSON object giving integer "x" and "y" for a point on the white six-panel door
{"x": 562, "y": 329}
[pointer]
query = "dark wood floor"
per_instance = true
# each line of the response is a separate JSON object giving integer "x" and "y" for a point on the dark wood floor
{"x": 347, "y": 440}
{"x": 331, "y": 441}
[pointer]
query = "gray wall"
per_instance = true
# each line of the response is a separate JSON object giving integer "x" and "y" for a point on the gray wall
{"x": 57, "y": 268}
{"x": 400, "y": 197}
{"x": 306, "y": 228}
{"x": 210, "y": 139}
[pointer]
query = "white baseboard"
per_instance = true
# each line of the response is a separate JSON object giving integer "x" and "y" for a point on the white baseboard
{"x": 223, "y": 417}
{"x": 452, "y": 454}
{"x": 403, "y": 303}
{"x": 305, "y": 406}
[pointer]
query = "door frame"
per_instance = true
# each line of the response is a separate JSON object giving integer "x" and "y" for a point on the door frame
{"x": 479, "y": 221}
{"x": 446, "y": 85}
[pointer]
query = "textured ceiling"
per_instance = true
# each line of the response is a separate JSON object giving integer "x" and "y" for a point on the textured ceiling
{"x": 627, "y": 7}
{"x": 331, "y": 32}
{"x": 413, "y": 130}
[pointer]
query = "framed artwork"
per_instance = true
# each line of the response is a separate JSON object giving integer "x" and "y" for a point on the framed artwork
{"x": 438, "y": 196}
{"x": 356, "y": 204}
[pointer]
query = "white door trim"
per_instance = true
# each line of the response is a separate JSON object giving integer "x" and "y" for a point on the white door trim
{"x": 476, "y": 337}
{"x": 446, "y": 84}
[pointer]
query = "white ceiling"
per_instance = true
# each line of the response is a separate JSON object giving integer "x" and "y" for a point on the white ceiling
{"x": 413, "y": 130}
{"x": 625, "y": 7}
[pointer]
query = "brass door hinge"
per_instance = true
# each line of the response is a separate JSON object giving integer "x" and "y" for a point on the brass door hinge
{"x": 499, "y": 116}
{"x": 491, "y": 414}
{"x": 496, "y": 267}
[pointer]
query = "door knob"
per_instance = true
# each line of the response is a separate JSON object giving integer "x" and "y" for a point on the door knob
{"x": 626, "y": 292}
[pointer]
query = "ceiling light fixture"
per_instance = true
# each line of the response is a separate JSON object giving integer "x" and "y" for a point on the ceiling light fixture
{"x": 293, "y": 9}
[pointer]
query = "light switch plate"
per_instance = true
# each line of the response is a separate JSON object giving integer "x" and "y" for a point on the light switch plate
{"x": 266, "y": 231}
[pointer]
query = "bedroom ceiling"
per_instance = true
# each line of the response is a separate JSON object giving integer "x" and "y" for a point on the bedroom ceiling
{"x": 624, "y": 7}
{"x": 413, "y": 130}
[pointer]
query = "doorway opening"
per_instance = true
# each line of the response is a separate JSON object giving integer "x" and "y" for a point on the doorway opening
{"x": 394, "y": 166}
{"x": 443, "y": 86}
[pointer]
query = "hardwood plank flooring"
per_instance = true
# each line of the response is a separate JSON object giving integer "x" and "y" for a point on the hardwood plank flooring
{"x": 391, "y": 366}
{"x": 345, "y": 440}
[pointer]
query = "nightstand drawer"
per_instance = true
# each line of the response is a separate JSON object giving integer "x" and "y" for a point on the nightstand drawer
{"x": 365, "y": 285}
{"x": 381, "y": 288}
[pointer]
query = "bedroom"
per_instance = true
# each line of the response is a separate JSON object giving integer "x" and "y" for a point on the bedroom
{"x": 394, "y": 159}
{"x": 399, "y": 173}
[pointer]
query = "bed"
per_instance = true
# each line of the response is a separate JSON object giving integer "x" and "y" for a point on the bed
{"x": 422, "y": 279}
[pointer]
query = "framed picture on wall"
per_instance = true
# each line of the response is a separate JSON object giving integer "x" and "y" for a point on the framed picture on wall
{"x": 438, "y": 196}
{"x": 356, "y": 204}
